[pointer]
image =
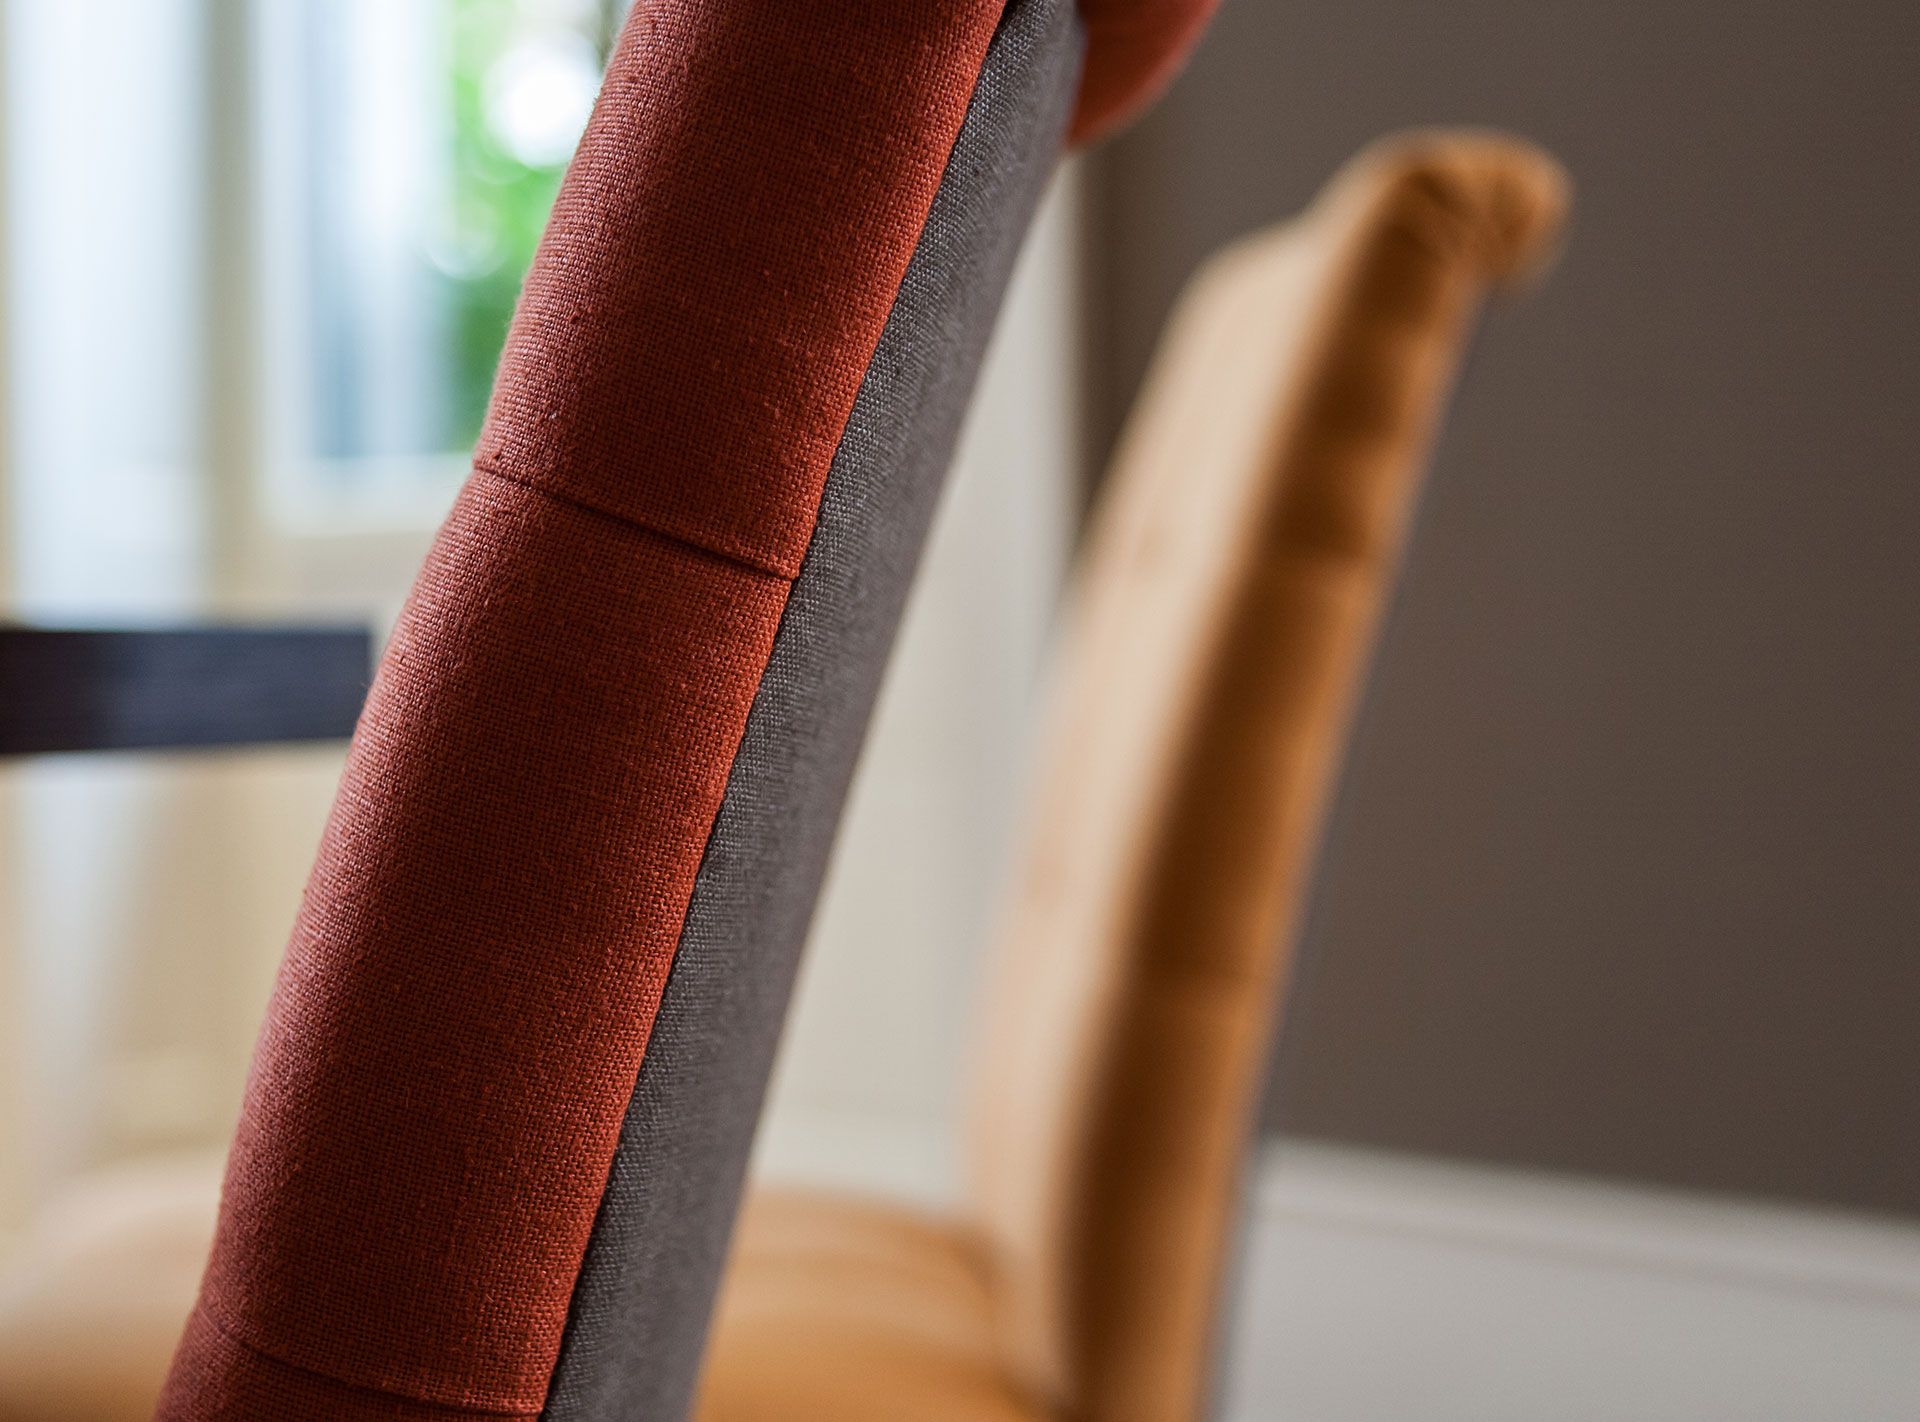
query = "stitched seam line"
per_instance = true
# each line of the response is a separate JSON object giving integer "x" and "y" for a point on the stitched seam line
{"x": 232, "y": 1334}
{"x": 732, "y": 560}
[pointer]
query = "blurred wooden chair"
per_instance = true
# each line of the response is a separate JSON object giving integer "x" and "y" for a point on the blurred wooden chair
{"x": 1219, "y": 631}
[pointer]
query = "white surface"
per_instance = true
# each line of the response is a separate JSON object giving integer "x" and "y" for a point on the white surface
{"x": 1377, "y": 1287}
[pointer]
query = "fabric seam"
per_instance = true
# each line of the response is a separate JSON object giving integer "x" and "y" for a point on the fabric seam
{"x": 732, "y": 560}
{"x": 231, "y": 1332}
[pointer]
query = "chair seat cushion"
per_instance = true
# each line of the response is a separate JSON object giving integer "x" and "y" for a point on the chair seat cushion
{"x": 854, "y": 1310}
{"x": 833, "y": 1307}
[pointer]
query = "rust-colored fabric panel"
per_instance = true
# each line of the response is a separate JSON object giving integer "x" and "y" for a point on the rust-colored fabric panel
{"x": 471, "y": 980}
{"x": 1134, "y": 48}
{"x": 749, "y": 193}
{"x": 471, "y": 983}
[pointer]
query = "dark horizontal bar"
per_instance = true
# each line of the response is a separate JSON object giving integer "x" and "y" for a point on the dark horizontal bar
{"x": 98, "y": 689}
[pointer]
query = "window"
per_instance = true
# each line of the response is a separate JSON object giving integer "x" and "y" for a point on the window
{"x": 260, "y": 259}
{"x": 409, "y": 155}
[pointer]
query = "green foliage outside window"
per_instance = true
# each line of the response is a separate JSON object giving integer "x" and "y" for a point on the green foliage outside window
{"x": 500, "y": 195}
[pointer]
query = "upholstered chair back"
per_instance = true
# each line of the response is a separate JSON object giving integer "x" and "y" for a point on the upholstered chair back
{"x": 1220, "y": 631}
{"x": 497, "y": 1120}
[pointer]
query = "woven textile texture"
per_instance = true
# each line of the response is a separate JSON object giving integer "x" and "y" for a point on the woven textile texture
{"x": 640, "y": 1311}
{"x": 462, "y": 1010}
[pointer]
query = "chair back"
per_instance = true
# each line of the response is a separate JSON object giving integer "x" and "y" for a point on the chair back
{"x": 499, "y": 1114}
{"x": 1216, "y": 640}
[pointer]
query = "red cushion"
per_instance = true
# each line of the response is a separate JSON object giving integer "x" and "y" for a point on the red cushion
{"x": 461, "y": 1013}
{"x": 473, "y": 977}
{"x": 1134, "y": 48}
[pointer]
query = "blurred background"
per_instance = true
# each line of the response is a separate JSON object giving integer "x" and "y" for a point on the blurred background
{"x": 1602, "y": 1079}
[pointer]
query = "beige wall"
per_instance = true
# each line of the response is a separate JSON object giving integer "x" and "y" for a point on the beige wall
{"x": 149, "y": 899}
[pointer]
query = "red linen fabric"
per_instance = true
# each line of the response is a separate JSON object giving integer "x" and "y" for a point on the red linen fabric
{"x": 463, "y": 1007}
{"x": 746, "y": 203}
{"x": 472, "y": 979}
